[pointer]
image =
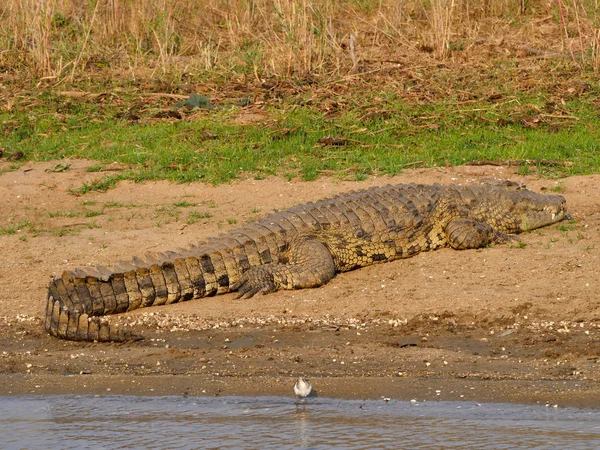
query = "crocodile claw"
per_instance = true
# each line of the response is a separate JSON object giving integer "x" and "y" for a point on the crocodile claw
{"x": 254, "y": 281}
{"x": 502, "y": 238}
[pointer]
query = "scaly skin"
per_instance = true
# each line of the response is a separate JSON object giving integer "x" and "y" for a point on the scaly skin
{"x": 302, "y": 247}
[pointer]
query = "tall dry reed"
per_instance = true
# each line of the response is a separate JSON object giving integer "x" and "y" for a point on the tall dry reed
{"x": 64, "y": 38}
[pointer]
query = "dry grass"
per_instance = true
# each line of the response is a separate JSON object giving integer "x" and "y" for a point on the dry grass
{"x": 62, "y": 39}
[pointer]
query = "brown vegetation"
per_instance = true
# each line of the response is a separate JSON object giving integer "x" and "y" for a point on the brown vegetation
{"x": 61, "y": 39}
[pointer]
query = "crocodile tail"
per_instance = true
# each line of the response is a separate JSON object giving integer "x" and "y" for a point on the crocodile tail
{"x": 78, "y": 300}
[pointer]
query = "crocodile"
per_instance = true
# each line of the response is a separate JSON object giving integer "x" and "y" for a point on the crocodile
{"x": 301, "y": 247}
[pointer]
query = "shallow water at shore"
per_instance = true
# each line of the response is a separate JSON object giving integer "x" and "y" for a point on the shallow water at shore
{"x": 275, "y": 422}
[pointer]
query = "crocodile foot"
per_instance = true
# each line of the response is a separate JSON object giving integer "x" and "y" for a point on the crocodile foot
{"x": 257, "y": 280}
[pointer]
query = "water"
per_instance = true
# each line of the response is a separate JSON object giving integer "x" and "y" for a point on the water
{"x": 113, "y": 422}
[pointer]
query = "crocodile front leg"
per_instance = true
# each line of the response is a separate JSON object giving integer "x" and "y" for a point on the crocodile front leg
{"x": 467, "y": 233}
{"x": 310, "y": 264}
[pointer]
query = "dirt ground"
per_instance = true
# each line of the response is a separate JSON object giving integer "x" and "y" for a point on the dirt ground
{"x": 510, "y": 323}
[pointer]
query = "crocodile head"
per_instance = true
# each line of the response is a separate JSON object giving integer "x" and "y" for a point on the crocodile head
{"x": 534, "y": 210}
{"x": 517, "y": 211}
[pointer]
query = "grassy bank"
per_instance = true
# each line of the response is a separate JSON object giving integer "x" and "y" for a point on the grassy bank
{"x": 348, "y": 135}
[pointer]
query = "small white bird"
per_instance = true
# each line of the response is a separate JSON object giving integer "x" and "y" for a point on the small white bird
{"x": 302, "y": 389}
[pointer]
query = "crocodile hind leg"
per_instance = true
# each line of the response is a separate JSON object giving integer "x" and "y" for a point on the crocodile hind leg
{"x": 467, "y": 233}
{"x": 310, "y": 264}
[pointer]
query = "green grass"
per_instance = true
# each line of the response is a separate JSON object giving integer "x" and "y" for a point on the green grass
{"x": 101, "y": 185}
{"x": 379, "y": 134}
{"x": 168, "y": 211}
{"x": 35, "y": 230}
{"x": 184, "y": 204}
{"x": 14, "y": 228}
{"x": 123, "y": 205}
{"x": 195, "y": 216}
{"x": 72, "y": 231}
{"x": 10, "y": 229}
{"x": 61, "y": 213}
{"x": 199, "y": 215}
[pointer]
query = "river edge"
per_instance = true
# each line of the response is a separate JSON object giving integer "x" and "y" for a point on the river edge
{"x": 546, "y": 393}
{"x": 420, "y": 361}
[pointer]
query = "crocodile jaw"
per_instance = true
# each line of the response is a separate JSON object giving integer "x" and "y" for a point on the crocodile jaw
{"x": 539, "y": 210}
